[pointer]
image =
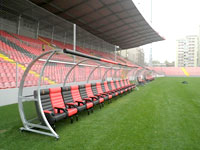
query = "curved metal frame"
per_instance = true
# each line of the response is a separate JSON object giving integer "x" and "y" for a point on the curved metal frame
{"x": 154, "y": 73}
{"x": 145, "y": 74}
{"x": 134, "y": 69}
{"x": 138, "y": 73}
{"x": 103, "y": 78}
{"x": 39, "y": 98}
{"x": 112, "y": 74}
{"x": 92, "y": 72}
{"x": 135, "y": 74}
{"x": 72, "y": 68}
{"x": 27, "y": 125}
{"x": 128, "y": 73}
{"x": 115, "y": 74}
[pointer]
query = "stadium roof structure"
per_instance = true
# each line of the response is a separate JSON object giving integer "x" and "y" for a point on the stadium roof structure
{"x": 118, "y": 22}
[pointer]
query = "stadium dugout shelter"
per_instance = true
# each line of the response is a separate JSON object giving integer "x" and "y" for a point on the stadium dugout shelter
{"x": 40, "y": 122}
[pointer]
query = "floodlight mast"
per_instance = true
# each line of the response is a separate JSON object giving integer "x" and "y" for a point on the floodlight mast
{"x": 150, "y": 53}
{"x": 44, "y": 124}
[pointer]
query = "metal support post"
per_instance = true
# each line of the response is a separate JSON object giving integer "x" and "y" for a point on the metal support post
{"x": 19, "y": 23}
{"x": 52, "y": 34}
{"x": 74, "y": 40}
{"x": 61, "y": 75}
{"x": 38, "y": 27}
{"x": 150, "y": 53}
{"x": 115, "y": 51}
{"x": 16, "y": 74}
{"x": 65, "y": 37}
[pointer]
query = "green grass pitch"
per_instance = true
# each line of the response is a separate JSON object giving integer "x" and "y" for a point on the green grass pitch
{"x": 162, "y": 115}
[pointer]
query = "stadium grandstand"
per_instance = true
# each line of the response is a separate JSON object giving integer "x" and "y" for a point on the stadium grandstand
{"x": 59, "y": 66}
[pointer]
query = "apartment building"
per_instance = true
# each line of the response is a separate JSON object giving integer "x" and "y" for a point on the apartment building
{"x": 187, "y": 51}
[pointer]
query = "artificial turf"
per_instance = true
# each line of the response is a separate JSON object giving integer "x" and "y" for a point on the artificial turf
{"x": 162, "y": 115}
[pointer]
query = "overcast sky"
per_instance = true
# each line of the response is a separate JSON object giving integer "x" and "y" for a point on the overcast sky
{"x": 173, "y": 19}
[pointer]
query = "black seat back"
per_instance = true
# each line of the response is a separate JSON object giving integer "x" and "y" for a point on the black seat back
{"x": 45, "y": 101}
{"x": 94, "y": 88}
{"x": 120, "y": 83}
{"x": 82, "y": 91}
{"x": 66, "y": 94}
{"x": 109, "y": 85}
{"x": 102, "y": 86}
{"x": 115, "y": 83}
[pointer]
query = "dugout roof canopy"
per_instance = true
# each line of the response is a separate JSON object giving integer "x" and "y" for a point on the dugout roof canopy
{"x": 116, "y": 21}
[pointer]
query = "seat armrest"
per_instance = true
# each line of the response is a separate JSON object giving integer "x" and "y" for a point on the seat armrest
{"x": 87, "y": 99}
{"x": 70, "y": 105}
{"x": 104, "y": 93}
{"x": 60, "y": 108}
{"x": 47, "y": 112}
{"x": 93, "y": 96}
{"x": 80, "y": 102}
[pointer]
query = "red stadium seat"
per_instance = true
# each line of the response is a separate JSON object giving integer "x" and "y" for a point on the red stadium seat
{"x": 95, "y": 99}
